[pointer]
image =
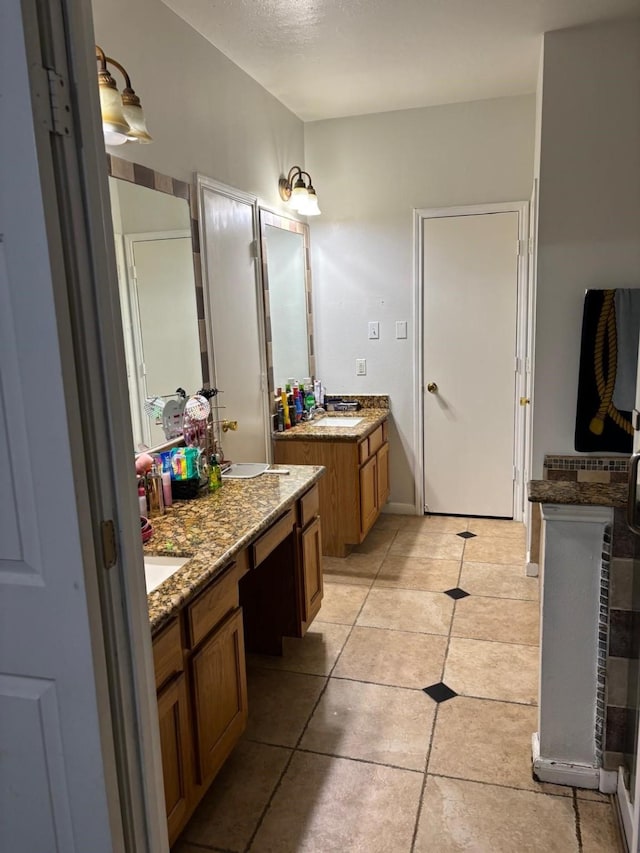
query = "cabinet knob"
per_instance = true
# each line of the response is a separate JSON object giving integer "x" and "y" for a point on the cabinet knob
{"x": 432, "y": 388}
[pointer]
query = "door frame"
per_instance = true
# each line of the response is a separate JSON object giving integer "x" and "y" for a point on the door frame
{"x": 524, "y": 333}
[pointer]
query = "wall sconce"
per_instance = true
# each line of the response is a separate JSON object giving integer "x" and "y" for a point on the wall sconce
{"x": 300, "y": 195}
{"x": 122, "y": 116}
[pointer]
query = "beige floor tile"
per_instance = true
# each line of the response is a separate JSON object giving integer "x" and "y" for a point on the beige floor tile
{"x": 407, "y": 610}
{"x": 354, "y": 569}
{"x": 493, "y": 670}
{"x": 229, "y": 813}
{"x": 397, "y": 658}
{"x": 377, "y": 542}
{"x": 592, "y": 796}
{"x": 494, "y": 550}
{"x": 502, "y": 529}
{"x": 467, "y": 816}
{"x": 342, "y": 602}
{"x": 388, "y": 521}
{"x": 484, "y": 741}
{"x": 388, "y": 725}
{"x": 280, "y": 704}
{"x": 598, "y": 828}
{"x": 438, "y": 546}
{"x": 314, "y": 654}
{"x": 418, "y": 573}
{"x": 434, "y": 524}
{"x": 498, "y": 580}
{"x": 331, "y": 805}
{"x": 497, "y": 619}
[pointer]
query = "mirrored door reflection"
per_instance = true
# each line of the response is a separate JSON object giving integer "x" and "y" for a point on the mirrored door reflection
{"x": 157, "y": 296}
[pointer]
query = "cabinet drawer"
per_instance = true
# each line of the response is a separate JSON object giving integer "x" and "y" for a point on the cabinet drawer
{"x": 269, "y": 541}
{"x": 309, "y": 505}
{"x": 167, "y": 653}
{"x": 212, "y": 605}
{"x": 375, "y": 440}
{"x": 363, "y": 448}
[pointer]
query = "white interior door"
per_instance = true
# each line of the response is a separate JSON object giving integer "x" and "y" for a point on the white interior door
{"x": 235, "y": 316}
{"x": 470, "y": 286}
{"x": 53, "y": 790}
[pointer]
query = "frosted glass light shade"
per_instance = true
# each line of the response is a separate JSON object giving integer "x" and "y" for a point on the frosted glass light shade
{"x": 310, "y": 206}
{"x": 299, "y": 196}
{"x": 134, "y": 116}
{"x": 113, "y": 120}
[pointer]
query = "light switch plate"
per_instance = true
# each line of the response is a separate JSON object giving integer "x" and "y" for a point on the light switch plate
{"x": 374, "y": 330}
{"x": 401, "y": 329}
{"x": 361, "y": 366}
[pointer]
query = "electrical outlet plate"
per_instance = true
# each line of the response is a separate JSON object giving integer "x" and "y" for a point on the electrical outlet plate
{"x": 374, "y": 330}
{"x": 361, "y": 366}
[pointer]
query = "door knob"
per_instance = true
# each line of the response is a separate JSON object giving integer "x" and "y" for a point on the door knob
{"x": 432, "y": 388}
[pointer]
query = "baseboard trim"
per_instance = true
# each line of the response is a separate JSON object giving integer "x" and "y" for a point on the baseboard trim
{"x": 563, "y": 773}
{"x": 399, "y": 509}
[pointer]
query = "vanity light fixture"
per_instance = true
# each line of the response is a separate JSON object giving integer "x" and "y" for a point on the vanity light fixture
{"x": 122, "y": 116}
{"x": 300, "y": 194}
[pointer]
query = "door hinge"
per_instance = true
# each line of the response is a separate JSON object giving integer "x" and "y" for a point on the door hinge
{"x": 253, "y": 249}
{"x": 109, "y": 547}
{"x": 51, "y": 104}
{"x": 525, "y": 247}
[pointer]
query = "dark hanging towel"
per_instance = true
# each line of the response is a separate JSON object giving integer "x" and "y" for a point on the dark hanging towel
{"x": 608, "y": 361}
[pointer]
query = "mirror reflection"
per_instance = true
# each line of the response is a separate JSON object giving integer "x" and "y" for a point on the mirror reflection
{"x": 287, "y": 288}
{"x": 285, "y": 258}
{"x": 157, "y": 297}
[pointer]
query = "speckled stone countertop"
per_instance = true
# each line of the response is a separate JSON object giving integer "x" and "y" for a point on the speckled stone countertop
{"x": 310, "y": 431}
{"x": 585, "y": 494}
{"x": 213, "y": 528}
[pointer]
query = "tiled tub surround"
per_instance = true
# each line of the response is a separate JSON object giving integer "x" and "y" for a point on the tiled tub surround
{"x": 352, "y": 743}
{"x": 213, "y": 528}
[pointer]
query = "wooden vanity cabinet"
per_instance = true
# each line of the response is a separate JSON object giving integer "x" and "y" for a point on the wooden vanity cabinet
{"x": 354, "y": 489}
{"x": 176, "y": 748}
{"x": 309, "y": 575}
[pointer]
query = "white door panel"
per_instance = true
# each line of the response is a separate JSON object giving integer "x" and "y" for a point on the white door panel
{"x": 53, "y": 795}
{"x": 470, "y": 304}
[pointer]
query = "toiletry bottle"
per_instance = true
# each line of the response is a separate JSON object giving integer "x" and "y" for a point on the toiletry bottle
{"x": 215, "y": 477}
{"x": 285, "y": 410}
{"x": 155, "y": 494}
{"x": 299, "y": 406}
{"x": 142, "y": 498}
{"x": 166, "y": 488}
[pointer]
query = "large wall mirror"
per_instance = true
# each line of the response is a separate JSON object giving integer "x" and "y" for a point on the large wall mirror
{"x": 160, "y": 293}
{"x": 286, "y": 275}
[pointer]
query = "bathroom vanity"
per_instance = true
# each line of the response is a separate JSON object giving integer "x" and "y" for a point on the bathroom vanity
{"x": 354, "y": 449}
{"x": 252, "y": 574}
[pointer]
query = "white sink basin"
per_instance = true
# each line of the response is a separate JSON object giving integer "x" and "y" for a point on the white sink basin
{"x": 158, "y": 569}
{"x": 338, "y": 422}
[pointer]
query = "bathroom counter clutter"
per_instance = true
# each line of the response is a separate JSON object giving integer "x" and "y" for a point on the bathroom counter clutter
{"x": 213, "y": 528}
{"x": 365, "y": 421}
{"x": 578, "y": 494}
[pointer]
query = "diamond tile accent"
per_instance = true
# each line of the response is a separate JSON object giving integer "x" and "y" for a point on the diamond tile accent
{"x": 439, "y": 692}
{"x": 456, "y": 593}
{"x": 466, "y": 534}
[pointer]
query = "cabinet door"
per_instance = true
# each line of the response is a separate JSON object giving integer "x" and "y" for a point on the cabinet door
{"x": 383, "y": 475}
{"x": 220, "y": 695}
{"x": 175, "y": 745}
{"x": 311, "y": 571}
{"x": 368, "y": 494}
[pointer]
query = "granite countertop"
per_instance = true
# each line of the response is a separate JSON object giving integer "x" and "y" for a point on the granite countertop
{"x": 213, "y": 528}
{"x": 310, "y": 431}
{"x": 584, "y": 494}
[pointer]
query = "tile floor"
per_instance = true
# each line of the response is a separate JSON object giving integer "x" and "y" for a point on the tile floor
{"x": 346, "y": 751}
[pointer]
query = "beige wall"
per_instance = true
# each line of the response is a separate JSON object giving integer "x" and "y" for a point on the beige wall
{"x": 370, "y": 172}
{"x": 204, "y": 113}
{"x": 589, "y": 206}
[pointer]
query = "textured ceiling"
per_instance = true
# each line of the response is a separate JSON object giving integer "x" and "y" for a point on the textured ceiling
{"x": 329, "y": 58}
